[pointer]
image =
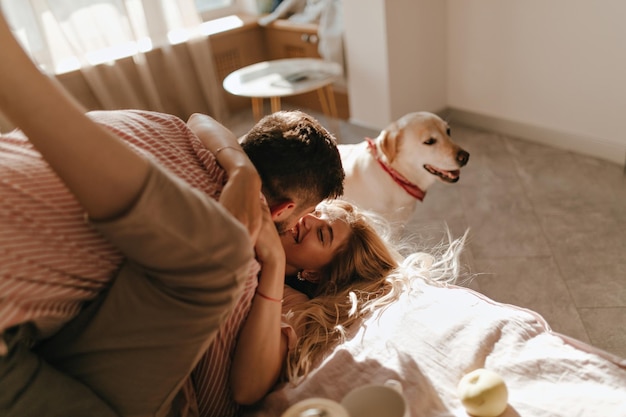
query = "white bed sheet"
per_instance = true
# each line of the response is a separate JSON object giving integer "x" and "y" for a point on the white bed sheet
{"x": 435, "y": 334}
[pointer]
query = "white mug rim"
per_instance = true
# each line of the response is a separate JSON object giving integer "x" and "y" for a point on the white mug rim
{"x": 385, "y": 387}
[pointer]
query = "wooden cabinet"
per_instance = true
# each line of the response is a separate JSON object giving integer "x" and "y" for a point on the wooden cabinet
{"x": 251, "y": 43}
{"x": 286, "y": 39}
{"x": 237, "y": 48}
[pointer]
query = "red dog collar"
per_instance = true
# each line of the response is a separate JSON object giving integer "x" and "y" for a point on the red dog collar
{"x": 407, "y": 185}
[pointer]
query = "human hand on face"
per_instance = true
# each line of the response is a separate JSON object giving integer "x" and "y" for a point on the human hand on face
{"x": 269, "y": 249}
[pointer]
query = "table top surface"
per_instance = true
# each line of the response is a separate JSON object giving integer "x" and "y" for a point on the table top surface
{"x": 282, "y": 77}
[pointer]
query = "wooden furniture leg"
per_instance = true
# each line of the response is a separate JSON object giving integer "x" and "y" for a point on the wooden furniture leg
{"x": 257, "y": 108}
{"x": 327, "y": 100}
{"x": 275, "y": 104}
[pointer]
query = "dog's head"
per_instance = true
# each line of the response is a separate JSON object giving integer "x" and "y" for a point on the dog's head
{"x": 419, "y": 146}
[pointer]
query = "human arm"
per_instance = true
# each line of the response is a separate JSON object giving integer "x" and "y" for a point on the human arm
{"x": 58, "y": 127}
{"x": 262, "y": 347}
{"x": 241, "y": 193}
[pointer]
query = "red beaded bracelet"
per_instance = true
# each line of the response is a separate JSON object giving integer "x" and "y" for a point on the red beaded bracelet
{"x": 260, "y": 294}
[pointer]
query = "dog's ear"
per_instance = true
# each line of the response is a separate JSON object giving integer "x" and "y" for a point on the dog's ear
{"x": 390, "y": 140}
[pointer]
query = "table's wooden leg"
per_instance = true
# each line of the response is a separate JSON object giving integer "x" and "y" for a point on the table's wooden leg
{"x": 327, "y": 100}
{"x": 322, "y": 96}
{"x": 257, "y": 108}
{"x": 332, "y": 104}
{"x": 329, "y": 107}
{"x": 275, "y": 104}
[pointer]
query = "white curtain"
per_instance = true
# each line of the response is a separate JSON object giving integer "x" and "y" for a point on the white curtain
{"x": 142, "y": 54}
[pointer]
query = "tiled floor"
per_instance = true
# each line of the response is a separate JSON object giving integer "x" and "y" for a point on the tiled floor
{"x": 547, "y": 228}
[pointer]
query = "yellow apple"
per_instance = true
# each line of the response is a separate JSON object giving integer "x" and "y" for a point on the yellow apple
{"x": 483, "y": 393}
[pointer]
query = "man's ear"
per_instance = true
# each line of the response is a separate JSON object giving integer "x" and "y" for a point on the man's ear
{"x": 282, "y": 211}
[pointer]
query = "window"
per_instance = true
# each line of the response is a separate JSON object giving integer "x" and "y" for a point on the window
{"x": 212, "y": 9}
{"x": 62, "y": 34}
{"x": 209, "y": 5}
{"x": 57, "y": 33}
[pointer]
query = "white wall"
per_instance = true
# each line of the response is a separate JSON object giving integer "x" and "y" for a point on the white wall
{"x": 395, "y": 53}
{"x": 367, "y": 61}
{"x": 548, "y": 70}
{"x": 556, "y": 68}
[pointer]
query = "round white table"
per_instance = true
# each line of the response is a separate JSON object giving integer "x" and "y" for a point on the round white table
{"x": 282, "y": 78}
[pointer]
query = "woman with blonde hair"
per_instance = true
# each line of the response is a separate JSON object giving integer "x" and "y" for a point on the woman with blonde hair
{"x": 355, "y": 282}
{"x": 336, "y": 266}
{"x": 364, "y": 276}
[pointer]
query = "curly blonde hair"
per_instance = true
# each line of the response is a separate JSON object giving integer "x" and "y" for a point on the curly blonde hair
{"x": 369, "y": 272}
{"x": 352, "y": 284}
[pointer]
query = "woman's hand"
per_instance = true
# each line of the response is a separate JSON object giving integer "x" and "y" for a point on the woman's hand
{"x": 269, "y": 249}
{"x": 262, "y": 347}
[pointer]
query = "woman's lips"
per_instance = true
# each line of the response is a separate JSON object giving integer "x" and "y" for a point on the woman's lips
{"x": 296, "y": 232}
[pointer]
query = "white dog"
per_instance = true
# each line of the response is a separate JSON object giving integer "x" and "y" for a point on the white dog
{"x": 387, "y": 175}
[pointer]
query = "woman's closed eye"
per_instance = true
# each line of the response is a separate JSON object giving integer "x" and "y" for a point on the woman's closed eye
{"x": 325, "y": 235}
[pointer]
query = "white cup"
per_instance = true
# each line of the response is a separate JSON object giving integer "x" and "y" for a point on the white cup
{"x": 376, "y": 401}
{"x": 316, "y": 407}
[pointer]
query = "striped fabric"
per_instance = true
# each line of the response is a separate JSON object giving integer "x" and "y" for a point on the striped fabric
{"x": 51, "y": 260}
{"x": 210, "y": 377}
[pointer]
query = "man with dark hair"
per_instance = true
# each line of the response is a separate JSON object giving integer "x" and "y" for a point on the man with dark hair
{"x": 296, "y": 158}
{"x": 108, "y": 316}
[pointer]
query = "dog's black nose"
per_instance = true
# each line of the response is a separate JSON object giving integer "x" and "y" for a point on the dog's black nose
{"x": 462, "y": 157}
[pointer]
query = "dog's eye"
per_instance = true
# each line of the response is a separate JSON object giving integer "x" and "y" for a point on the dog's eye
{"x": 430, "y": 141}
{"x": 448, "y": 131}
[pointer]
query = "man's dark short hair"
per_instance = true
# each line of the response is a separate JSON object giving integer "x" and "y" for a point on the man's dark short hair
{"x": 296, "y": 157}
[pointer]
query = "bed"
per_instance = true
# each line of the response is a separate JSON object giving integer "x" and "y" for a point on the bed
{"x": 434, "y": 334}
{"x": 427, "y": 340}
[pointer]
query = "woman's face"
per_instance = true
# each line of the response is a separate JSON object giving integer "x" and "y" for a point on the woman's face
{"x": 313, "y": 241}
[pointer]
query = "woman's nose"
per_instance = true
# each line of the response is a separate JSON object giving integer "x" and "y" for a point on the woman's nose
{"x": 310, "y": 220}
